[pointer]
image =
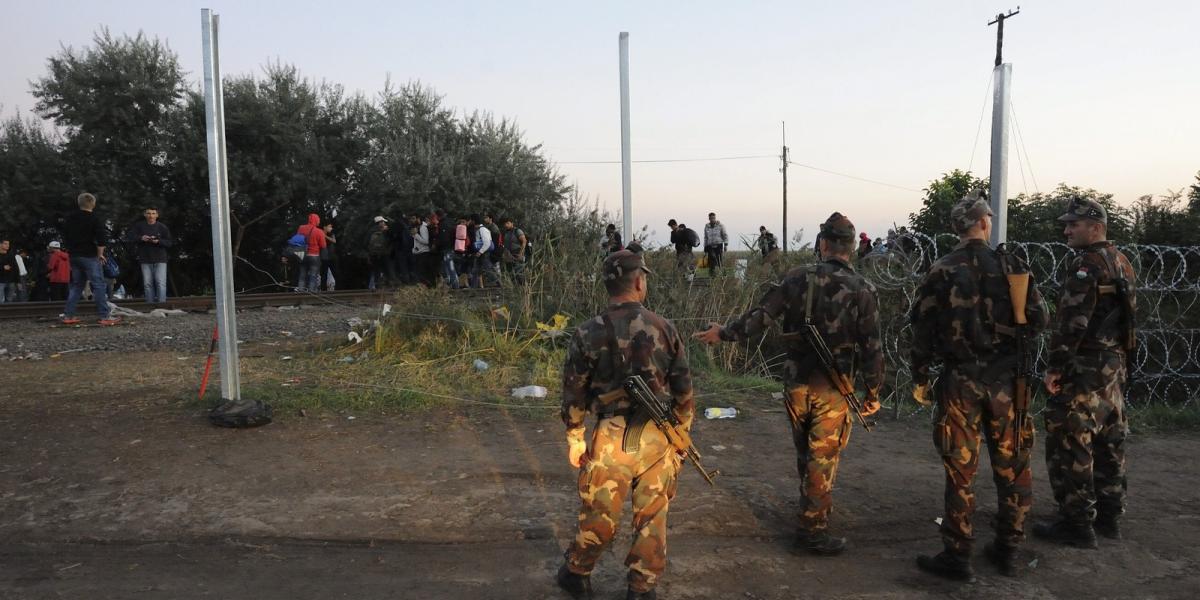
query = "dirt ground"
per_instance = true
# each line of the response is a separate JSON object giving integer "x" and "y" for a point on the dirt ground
{"x": 119, "y": 489}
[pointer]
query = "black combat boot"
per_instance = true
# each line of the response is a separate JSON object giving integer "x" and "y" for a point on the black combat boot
{"x": 1108, "y": 526}
{"x": 819, "y": 543}
{"x": 947, "y": 565}
{"x": 1067, "y": 533}
{"x": 1004, "y": 557}
{"x": 647, "y": 595}
{"x": 578, "y": 586}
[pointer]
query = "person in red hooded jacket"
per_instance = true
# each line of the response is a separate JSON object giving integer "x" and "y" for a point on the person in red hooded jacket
{"x": 310, "y": 267}
{"x": 58, "y": 271}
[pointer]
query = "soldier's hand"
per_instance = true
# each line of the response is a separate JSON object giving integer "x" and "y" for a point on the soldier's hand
{"x": 871, "y": 406}
{"x": 576, "y": 449}
{"x": 1051, "y": 381}
{"x": 710, "y": 336}
{"x": 920, "y": 393}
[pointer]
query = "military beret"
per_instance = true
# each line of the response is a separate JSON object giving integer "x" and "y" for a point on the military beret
{"x": 973, "y": 207}
{"x": 1082, "y": 208}
{"x": 617, "y": 264}
{"x": 837, "y": 227}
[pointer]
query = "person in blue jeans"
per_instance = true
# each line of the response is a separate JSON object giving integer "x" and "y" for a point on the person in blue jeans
{"x": 8, "y": 272}
{"x": 152, "y": 238}
{"x": 85, "y": 237}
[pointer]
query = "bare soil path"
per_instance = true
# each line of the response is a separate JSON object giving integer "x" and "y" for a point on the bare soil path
{"x": 121, "y": 490}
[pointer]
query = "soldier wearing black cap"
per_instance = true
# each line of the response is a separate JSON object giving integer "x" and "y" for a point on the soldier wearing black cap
{"x": 627, "y": 458}
{"x": 1085, "y": 373}
{"x": 963, "y": 318}
{"x": 842, "y": 306}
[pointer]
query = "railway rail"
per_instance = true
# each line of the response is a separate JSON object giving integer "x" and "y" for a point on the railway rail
{"x": 37, "y": 310}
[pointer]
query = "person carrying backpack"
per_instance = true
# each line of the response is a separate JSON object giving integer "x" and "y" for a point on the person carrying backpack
{"x": 684, "y": 240}
{"x": 310, "y": 265}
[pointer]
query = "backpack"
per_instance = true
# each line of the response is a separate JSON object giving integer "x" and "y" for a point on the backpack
{"x": 691, "y": 237}
{"x": 378, "y": 244}
{"x": 297, "y": 243}
{"x": 111, "y": 269}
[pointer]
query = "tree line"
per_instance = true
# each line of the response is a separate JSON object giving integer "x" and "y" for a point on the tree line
{"x": 128, "y": 127}
{"x": 1168, "y": 219}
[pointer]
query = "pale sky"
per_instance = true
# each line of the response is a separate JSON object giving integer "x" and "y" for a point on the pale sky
{"x": 1105, "y": 93}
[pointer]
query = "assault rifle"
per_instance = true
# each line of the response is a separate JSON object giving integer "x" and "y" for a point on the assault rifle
{"x": 664, "y": 419}
{"x": 844, "y": 385}
{"x": 1018, "y": 290}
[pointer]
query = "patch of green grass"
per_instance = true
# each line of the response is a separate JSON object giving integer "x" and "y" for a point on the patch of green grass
{"x": 1158, "y": 418}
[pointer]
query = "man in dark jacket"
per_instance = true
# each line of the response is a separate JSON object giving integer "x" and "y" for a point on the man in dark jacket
{"x": 152, "y": 238}
{"x": 8, "y": 272}
{"x": 86, "y": 236}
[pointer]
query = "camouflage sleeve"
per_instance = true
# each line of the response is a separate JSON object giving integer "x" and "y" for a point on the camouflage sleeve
{"x": 758, "y": 319}
{"x": 870, "y": 348}
{"x": 1076, "y": 303}
{"x": 923, "y": 318}
{"x": 679, "y": 378}
{"x": 577, "y": 376}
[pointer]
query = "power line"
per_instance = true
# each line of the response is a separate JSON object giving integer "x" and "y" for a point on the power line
{"x": 666, "y": 160}
{"x": 979, "y": 128}
{"x": 1024, "y": 150}
{"x": 1020, "y": 163}
{"x": 848, "y": 176}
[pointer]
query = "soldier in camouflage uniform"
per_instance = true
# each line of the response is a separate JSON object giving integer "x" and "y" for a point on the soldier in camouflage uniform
{"x": 1086, "y": 370}
{"x": 844, "y": 310}
{"x": 629, "y": 456}
{"x": 963, "y": 317}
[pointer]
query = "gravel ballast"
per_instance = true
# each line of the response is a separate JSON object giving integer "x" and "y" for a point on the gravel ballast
{"x": 191, "y": 332}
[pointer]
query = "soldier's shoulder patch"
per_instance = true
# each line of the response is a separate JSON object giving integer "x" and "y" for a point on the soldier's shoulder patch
{"x": 1083, "y": 272}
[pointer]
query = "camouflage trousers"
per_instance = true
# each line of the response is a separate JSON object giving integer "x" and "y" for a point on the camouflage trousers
{"x": 648, "y": 478}
{"x": 967, "y": 410}
{"x": 1086, "y": 428}
{"x": 820, "y": 429}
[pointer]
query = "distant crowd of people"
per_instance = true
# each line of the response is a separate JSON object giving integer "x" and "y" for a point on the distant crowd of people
{"x": 81, "y": 263}
{"x": 418, "y": 249}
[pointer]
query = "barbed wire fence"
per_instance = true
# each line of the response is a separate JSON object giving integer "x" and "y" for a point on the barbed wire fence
{"x": 1166, "y": 365}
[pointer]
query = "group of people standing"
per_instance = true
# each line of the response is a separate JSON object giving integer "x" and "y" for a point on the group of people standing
{"x": 963, "y": 320}
{"x": 84, "y": 260}
{"x": 467, "y": 251}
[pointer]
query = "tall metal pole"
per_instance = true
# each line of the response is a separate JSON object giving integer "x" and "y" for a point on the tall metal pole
{"x": 218, "y": 192}
{"x": 626, "y": 194}
{"x": 1002, "y": 74}
{"x": 784, "y": 158}
{"x": 999, "y": 172}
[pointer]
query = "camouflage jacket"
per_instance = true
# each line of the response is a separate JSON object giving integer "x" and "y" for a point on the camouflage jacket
{"x": 645, "y": 344}
{"x": 1088, "y": 316}
{"x": 845, "y": 313}
{"x": 963, "y": 311}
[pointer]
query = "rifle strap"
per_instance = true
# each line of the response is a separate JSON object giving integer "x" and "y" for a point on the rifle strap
{"x": 810, "y": 296}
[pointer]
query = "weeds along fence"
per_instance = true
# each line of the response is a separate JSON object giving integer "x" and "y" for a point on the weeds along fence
{"x": 563, "y": 279}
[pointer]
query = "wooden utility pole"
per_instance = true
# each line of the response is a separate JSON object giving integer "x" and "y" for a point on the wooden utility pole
{"x": 783, "y": 156}
{"x": 999, "y": 23}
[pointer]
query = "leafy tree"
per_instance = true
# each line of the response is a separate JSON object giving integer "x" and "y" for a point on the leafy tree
{"x": 1035, "y": 218}
{"x": 1194, "y": 196}
{"x": 1164, "y": 220}
{"x": 33, "y": 182}
{"x": 940, "y": 197}
{"x": 111, "y": 101}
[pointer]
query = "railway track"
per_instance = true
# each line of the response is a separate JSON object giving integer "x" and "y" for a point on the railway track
{"x": 36, "y": 310}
